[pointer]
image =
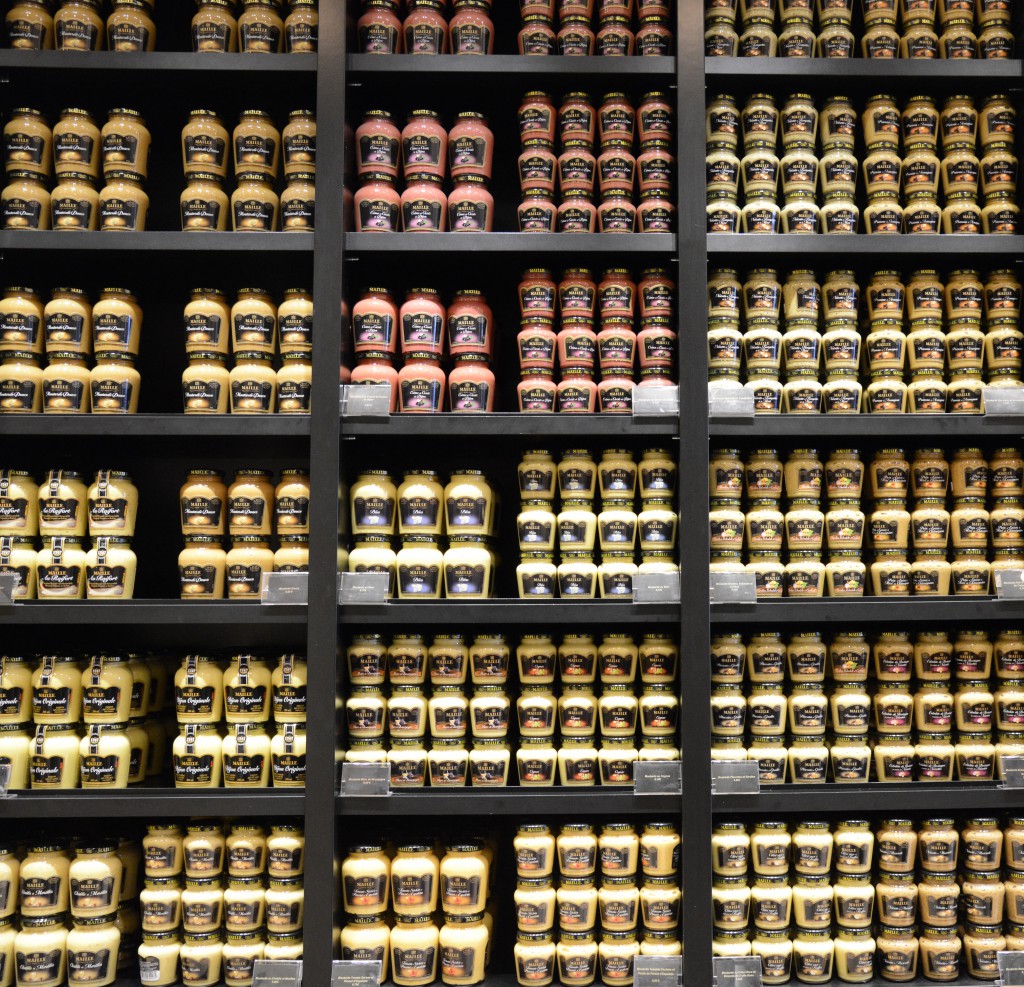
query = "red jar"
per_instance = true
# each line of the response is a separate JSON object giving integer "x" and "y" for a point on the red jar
{"x": 614, "y": 8}
{"x": 654, "y": 37}
{"x": 537, "y": 212}
{"x": 575, "y": 37}
{"x": 375, "y": 322}
{"x": 616, "y": 213}
{"x": 375, "y": 368}
{"x": 655, "y": 165}
{"x": 616, "y": 120}
{"x": 616, "y": 345}
{"x": 616, "y": 295}
{"x": 576, "y": 118}
{"x": 614, "y": 38}
{"x": 656, "y": 344}
{"x": 471, "y": 31}
{"x": 470, "y": 325}
{"x": 471, "y": 385}
{"x": 536, "y": 343}
{"x": 379, "y": 31}
{"x": 470, "y": 206}
{"x": 470, "y": 146}
{"x": 654, "y": 118}
{"x": 616, "y": 168}
{"x": 577, "y": 293}
{"x": 656, "y": 292}
{"x": 537, "y": 293}
{"x": 576, "y": 167}
{"x": 421, "y": 321}
{"x": 424, "y": 205}
{"x": 421, "y": 385}
{"x": 615, "y": 393}
{"x": 536, "y": 391}
{"x": 577, "y": 346}
{"x": 655, "y": 214}
{"x": 424, "y": 144}
{"x": 576, "y": 393}
{"x": 425, "y": 29}
{"x": 377, "y": 142}
{"x": 537, "y": 166}
{"x": 541, "y": 8}
{"x": 576, "y": 214}
{"x": 536, "y": 117}
{"x": 537, "y": 36}
{"x": 377, "y": 205}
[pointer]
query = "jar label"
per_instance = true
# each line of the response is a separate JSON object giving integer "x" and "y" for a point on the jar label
{"x": 21, "y": 213}
{"x": 199, "y": 214}
{"x": 195, "y": 969}
{"x": 24, "y": 34}
{"x": 300, "y": 150}
{"x": 253, "y": 214}
{"x": 193, "y": 769}
{"x": 120, "y": 150}
{"x": 242, "y": 769}
{"x": 39, "y": 966}
{"x": 201, "y": 395}
{"x": 467, "y": 330}
{"x": 298, "y": 214}
{"x": 97, "y": 770}
{"x": 467, "y": 215}
{"x": 421, "y": 214}
{"x": 209, "y": 36}
{"x": 377, "y": 151}
{"x": 424, "y": 39}
{"x": 414, "y": 964}
{"x": 251, "y": 395}
{"x": 111, "y": 396}
{"x": 259, "y": 37}
{"x": 197, "y": 580}
{"x": 119, "y": 214}
{"x": 127, "y": 37}
{"x": 470, "y": 39}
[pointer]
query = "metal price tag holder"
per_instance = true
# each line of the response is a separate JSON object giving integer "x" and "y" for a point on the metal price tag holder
{"x": 736, "y": 971}
{"x": 365, "y": 778}
{"x": 733, "y": 587}
{"x": 1011, "y": 968}
{"x": 656, "y": 587}
{"x": 1003, "y": 402}
{"x": 657, "y": 971}
{"x": 5, "y": 780}
{"x": 363, "y": 587}
{"x": 277, "y": 973}
{"x": 1013, "y": 772}
{"x": 284, "y": 588}
{"x": 1009, "y": 584}
{"x": 659, "y": 778}
{"x": 656, "y": 402}
{"x": 365, "y": 400}
{"x": 735, "y": 778}
{"x": 355, "y": 973}
{"x": 731, "y": 404}
{"x": 9, "y": 583}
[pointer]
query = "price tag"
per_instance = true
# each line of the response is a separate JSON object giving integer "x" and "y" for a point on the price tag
{"x": 733, "y": 587}
{"x": 1004, "y": 401}
{"x": 735, "y": 778}
{"x": 737, "y": 971}
{"x": 656, "y": 587}
{"x": 659, "y": 777}
{"x": 1013, "y": 772}
{"x": 277, "y": 973}
{"x": 364, "y": 587}
{"x": 9, "y": 583}
{"x": 365, "y": 400}
{"x": 355, "y": 973}
{"x": 730, "y": 403}
{"x": 366, "y": 778}
{"x": 1009, "y": 584}
{"x": 656, "y": 402}
{"x": 657, "y": 971}
{"x": 1011, "y": 967}
{"x": 278, "y": 588}
{"x": 5, "y": 780}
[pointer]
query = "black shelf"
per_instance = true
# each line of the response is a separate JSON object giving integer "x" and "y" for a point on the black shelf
{"x": 863, "y": 244}
{"x": 862, "y": 70}
{"x": 869, "y": 610}
{"x": 511, "y": 426}
{"x": 887, "y": 427}
{"x": 152, "y": 802}
{"x": 910, "y": 797}
{"x": 580, "y": 802}
{"x": 530, "y": 66}
{"x": 532, "y": 244}
{"x": 156, "y": 62}
{"x": 157, "y": 426}
{"x": 158, "y": 242}
{"x": 155, "y": 612}
{"x": 508, "y": 612}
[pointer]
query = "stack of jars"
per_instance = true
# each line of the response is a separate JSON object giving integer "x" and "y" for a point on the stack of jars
{"x": 578, "y": 530}
{"x": 613, "y": 36}
{"x": 258, "y": 329}
{"x": 933, "y": 329}
{"x": 248, "y": 511}
{"x": 892, "y": 529}
{"x": 242, "y": 900}
{"x": 424, "y": 31}
{"x": 426, "y": 151}
{"x": 71, "y": 330}
{"x": 755, "y": 728}
{"x": 616, "y": 125}
{"x": 464, "y": 510}
{"x": 581, "y": 301}
{"x": 638, "y": 898}
{"x": 411, "y": 879}
{"x": 822, "y": 923}
{"x": 419, "y": 326}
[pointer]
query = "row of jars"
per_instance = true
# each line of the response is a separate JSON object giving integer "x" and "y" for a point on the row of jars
{"x": 245, "y": 757}
{"x": 423, "y": 207}
{"x": 67, "y": 385}
{"x": 206, "y": 571}
{"x": 580, "y": 576}
{"x": 251, "y": 505}
{"x": 422, "y": 387}
{"x": 577, "y": 527}
{"x": 254, "y": 323}
{"x": 616, "y": 212}
{"x": 120, "y": 206}
{"x": 581, "y": 297}
{"x": 253, "y": 207}
{"x": 580, "y": 475}
{"x": 577, "y": 392}
{"x": 64, "y": 568}
{"x": 251, "y": 387}
{"x": 612, "y": 34}
{"x": 981, "y": 14}
{"x": 425, "y": 29}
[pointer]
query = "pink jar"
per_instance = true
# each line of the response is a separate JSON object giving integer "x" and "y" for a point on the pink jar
{"x": 536, "y": 391}
{"x": 616, "y": 168}
{"x": 470, "y": 325}
{"x": 425, "y": 29}
{"x": 471, "y": 29}
{"x": 616, "y": 345}
{"x": 379, "y": 31}
{"x": 470, "y": 206}
{"x": 575, "y": 37}
{"x": 616, "y": 295}
{"x": 614, "y": 8}
{"x": 471, "y": 385}
{"x": 377, "y": 205}
{"x": 576, "y": 393}
{"x": 377, "y": 142}
{"x": 421, "y": 320}
{"x": 424, "y": 144}
{"x": 537, "y": 166}
{"x": 614, "y": 38}
{"x": 470, "y": 146}
{"x": 656, "y": 344}
{"x": 375, "y": 368}
{"x": 656, "y": 292}
{"x": 655, "y": 165}
{"x": 616, "y": 120}
{"x": 577, "y": 293}
{"x": 654, "y": 37}
{"x": 374, "y": 322}
{"x": 576, "y": 214}
{"x": 536, "y": 117}
{"x": 537, "y": 212}
{"x": 646, "y": 8}
{"x": 540, "y": 8}
{"x": 421, "y": 385}
{"x": 537, "y": 36}
{"x": 424, "y": 205}
{"x": 536, "y": 343}
{"x": 577, "y": 346}
{"x": 574, "y": 8}
{"x": 577, "y": 119}
{"x": 655, "y": 212}
{"x": 537, "y": 293}
{"x": 654, "y": 118}
{"x": 576, "y": 167}
{"x": 615, "y": 393}
{"x": 616, "y": 213}
{"x": 656, "y": 377}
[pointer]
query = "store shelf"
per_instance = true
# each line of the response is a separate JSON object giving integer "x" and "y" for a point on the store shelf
{"x": 869, "y": 609}
{"x": 155, "y": 612}
{"x": 155, "y": 63}
{"x": 509, "y": 612}
{"x": 155, "y": 242}
{"x": 531, "y": 66}
{"x": 912, "y": 797}
{"x": 582, "y": 803}
{"x": 152, "y": 803}
{"x": 863, "y": 244}
{"x": 532, "y": 244}
{"x": 510, "y": 426}
{"x": 157, "y": 426}
{"x": 882, "y": 427}
{"x": 862, "y": 70}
